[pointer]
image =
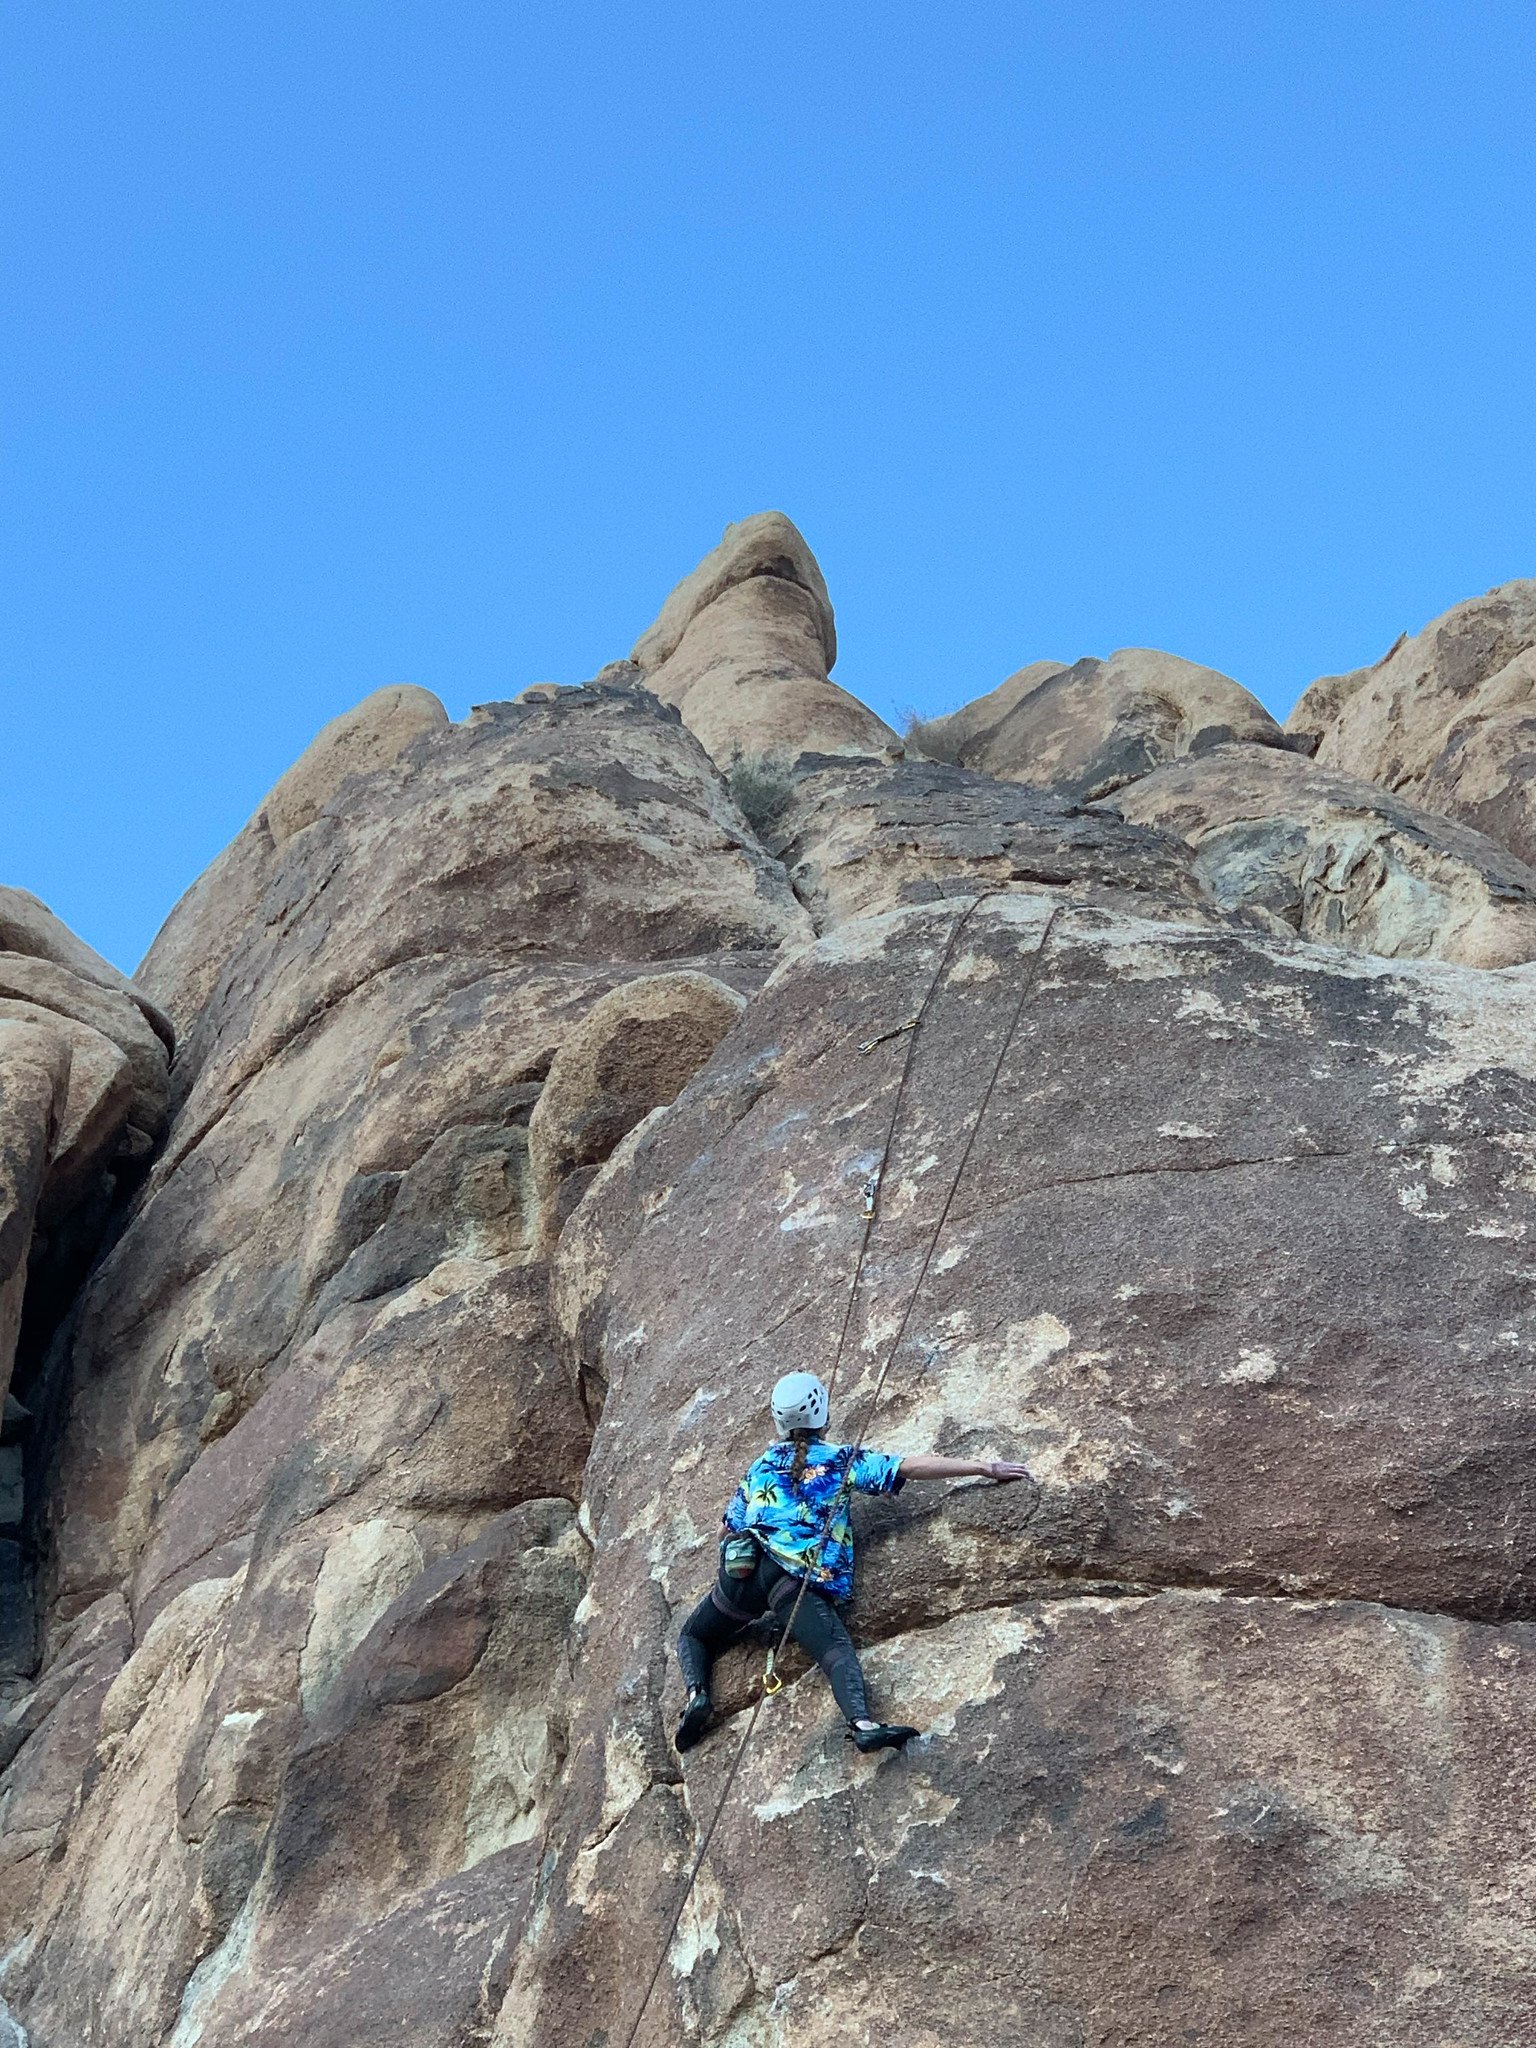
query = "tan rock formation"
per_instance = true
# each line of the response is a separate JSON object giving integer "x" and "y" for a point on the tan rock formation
{"x": 1446, "y": 718}
{"x": 521, "y": 1137}
{"x": 371, "y": 736}
{"x": 743, "y": 647}
{"x": 30, "y": 929}
{"x": 34, "y": 1082}
{"x": 1084, "y": 731}
{"x": 859, "y": 837}
{"x": 941, "y": 739}
{"x": 183, "y": 966}
{"x": 633, "y": 1052}
{"x": 1338, "y": 860}
{"x": 111, "y": 1047}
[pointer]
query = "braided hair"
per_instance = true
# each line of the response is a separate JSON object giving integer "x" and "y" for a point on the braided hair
{"x": 802, "y": 1440}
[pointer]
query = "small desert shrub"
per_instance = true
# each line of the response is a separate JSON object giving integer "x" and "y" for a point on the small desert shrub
{"x": 926, "y": 738}
{"x": 761, "y": 786}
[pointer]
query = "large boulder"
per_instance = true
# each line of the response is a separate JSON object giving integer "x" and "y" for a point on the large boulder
{"x": 633, "y": 1052}
{"x": 1446, "y": 718}
{"x": 1084, "y": 731}
{"x": 119, "y": 1043}
{"x": 182, "y": 967}
{"x": 743, "y": 648}
{"x": 371, "y": 736}
{"x": 941, "y": 739}
{"x": 1306, "y": 849}
{"x": 84, "y": 1086}
{"x": 29, "y": 928}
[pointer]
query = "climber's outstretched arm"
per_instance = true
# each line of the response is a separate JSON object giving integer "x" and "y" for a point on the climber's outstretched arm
{"x": 924, "y": 1467}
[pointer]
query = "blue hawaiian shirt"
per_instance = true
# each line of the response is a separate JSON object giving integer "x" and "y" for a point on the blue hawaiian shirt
{"x": 789, "y": 1517}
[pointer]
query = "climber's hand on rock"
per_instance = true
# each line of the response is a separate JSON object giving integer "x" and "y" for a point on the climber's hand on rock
{"x": 1000, "y": 1468}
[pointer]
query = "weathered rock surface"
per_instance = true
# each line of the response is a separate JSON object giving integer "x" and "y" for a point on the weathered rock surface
{"x": 183, "y": 966}
{"x": 1446, "y": 718}
{"x": 858, "y": 837}
{"x": 1339, "y": 860}
{"x": 1084, "y": 731}
{"x": 1288, "y": 1125}
{"x": 743, "y": 648}
{"x": 371, "y": 736}
{"x": 523, "y": 1116}
{"x": 34, "y": 1080}
{"x": 941, "y": 739}
{"x": 29, "y": 928}
{"x": 84, "y": 1085}
{"x": 633, "y": 1052}
{"x": 316, "y": 1375}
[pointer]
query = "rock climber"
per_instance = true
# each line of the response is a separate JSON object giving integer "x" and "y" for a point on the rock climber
{"x": 788, "y": 1526}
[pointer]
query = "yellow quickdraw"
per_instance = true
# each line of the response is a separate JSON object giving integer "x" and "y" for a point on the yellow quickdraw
{"x": 772, "y": 1682}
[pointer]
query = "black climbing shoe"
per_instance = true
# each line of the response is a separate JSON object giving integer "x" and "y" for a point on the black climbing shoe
{"x": 883, "y": 1735}
{"x": 695, "y": 1718}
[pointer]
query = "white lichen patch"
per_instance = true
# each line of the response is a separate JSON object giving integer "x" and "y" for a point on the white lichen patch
{"x": 511, "y": 1754}
{"x": 1188, "y": 1132}
{"x": 1475, "y": 1019}
{"x": 989, "y": 1385}
{"x": 810, "y": 1215}
{"x": 938, "y": 1672}
{"x": 879, "y": 1331}
{"x": 973, "y": 966}
{"x": 698, "y": 1932}
{"x": 626, "y": 1776}
{"x": 819, "y": 1777}
{"x": 1253, "y": 1368}
{"x": 1203, "y": 1005}
{"x": 1443, "y": 1168}
{"x": 1067, "y": 1458}
{"x": 924, "y": 1807}
{"x": 1136, "y": 950}
{"x": 694, "y": 1409}
{"x": 667, "y": 1531}
{"x": 364, "y": 1568}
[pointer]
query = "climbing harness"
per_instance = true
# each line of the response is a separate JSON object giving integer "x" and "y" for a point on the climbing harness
{"x": 772, "y": 1683}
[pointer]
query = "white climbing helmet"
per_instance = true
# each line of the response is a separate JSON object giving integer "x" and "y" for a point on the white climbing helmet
{"x": 800, "y": 1402}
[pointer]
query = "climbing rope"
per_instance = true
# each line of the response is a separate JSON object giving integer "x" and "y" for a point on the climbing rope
{"x": 911, "y": 1029}
{"x": 933, "y": 1244}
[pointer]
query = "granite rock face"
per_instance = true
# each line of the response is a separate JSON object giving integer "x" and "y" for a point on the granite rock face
{"x": 530, "y": 1109}
{"x": 84, "y": 1090}
{"x": 1084, "y": 731}
{"x": 743, "y": 648}
{"x": 859, "y": 837}
{"x": 1446, "y": 718}
{"x": 1339, "y": 860}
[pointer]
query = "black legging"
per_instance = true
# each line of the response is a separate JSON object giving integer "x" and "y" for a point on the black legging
{"x": 726, "y": 1613}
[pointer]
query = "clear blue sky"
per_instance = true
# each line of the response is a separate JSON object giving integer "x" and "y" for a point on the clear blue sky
{"x": 346, "y": 344}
